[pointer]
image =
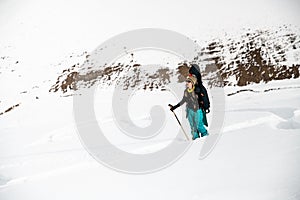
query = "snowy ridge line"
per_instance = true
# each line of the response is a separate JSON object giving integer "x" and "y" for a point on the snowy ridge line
{"x": 257, "y": 91}
{"x": 251, "y": 123}
{"x": 83, "y": 149}
{"x": 10, "y": 108}
{"x": 238, "y": 126}
{"x": 241, "y": 125}
{"x": 226, "y": 129}
{"x": 280, "y": 118}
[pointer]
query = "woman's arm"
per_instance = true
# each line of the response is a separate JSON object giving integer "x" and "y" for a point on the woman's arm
{"x": 183, "y": 100}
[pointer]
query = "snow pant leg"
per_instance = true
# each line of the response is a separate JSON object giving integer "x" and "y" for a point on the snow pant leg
{"x": 200, "y": 125}
{"x": 193, "y": 120}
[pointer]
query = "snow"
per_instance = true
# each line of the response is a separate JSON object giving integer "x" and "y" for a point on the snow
{"x": 41, "y": 154}
{"x": 257, "y": 156}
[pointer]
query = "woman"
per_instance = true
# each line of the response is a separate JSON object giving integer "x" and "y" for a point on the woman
{"x": 203, "y": 99}
{"x": 193, "y": 112}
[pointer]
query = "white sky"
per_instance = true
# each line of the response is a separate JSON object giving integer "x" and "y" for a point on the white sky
{"x": 63, "y": 26}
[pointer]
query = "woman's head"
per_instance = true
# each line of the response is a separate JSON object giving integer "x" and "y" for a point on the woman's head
{"x": 191, "y": 81}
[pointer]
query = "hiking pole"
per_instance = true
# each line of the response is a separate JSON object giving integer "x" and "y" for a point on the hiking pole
{"x": 179, "y": 123}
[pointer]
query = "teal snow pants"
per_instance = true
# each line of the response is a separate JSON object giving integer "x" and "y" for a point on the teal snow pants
{"x": 196, "y": 122}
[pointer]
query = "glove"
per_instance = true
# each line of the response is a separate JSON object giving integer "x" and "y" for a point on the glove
{"x": 172, "y": 108}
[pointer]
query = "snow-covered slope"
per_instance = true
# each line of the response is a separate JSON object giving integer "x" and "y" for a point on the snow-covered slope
{"x": 257, "y": 156}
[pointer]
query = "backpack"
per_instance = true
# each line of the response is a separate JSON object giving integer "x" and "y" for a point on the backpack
{"x": 200, "y": 90}
{"x": 203, "y": 97}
